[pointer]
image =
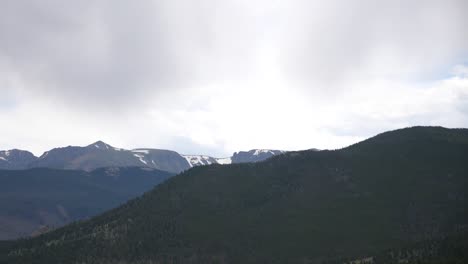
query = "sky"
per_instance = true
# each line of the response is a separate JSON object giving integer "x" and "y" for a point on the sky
{"x": 217, "y": 76}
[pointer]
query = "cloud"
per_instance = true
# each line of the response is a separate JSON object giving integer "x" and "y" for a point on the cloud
{"x": 90, "y": 53}
{"x": 105, "y": 53}
{"x": 337, "y": 41}
{"x": 222, "y": 75}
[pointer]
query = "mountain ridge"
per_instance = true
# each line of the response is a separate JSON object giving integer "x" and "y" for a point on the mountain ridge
{"x": 100, "y": 154}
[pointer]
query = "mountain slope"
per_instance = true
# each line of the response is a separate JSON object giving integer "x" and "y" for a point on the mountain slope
{"x": 391, "y": 191}
{"x": 166, "y": 160}
{"x": 30, "y": 199}
{"x": 15, "y": 159}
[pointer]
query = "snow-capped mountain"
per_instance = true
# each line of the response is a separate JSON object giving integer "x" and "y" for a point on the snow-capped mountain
{"x": 93, "y": 156}
{"x": 100, "y": 155}
{"x": 199, "y": 160}
{"x": 254, "y": 155}
{"x": 161, "y": 159}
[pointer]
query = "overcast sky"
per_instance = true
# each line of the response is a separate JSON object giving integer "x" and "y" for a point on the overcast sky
{"x": 218, "y": 76}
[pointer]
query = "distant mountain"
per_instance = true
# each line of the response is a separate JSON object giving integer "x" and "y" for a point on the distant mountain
{"x": 96, "y": 155}
{"x": 93, "y": 156}
{"x": 254, "y": 155}
{"x": 167, "y": 160}
{"x": 399, "y": 197}
{"x": 36, "y": 200}
{"x": 199, "y": 160}
{"x": 16, "y": 159}
{"x": 101, "y": 155}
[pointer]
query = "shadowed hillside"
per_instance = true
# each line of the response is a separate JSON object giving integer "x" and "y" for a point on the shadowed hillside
{"x": 36, "y": 200}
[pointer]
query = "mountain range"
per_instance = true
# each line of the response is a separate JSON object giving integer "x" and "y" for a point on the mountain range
{"x": 102, "y": 155}
{"x": 398, "y": 197}
{"x": 74, "y": 183}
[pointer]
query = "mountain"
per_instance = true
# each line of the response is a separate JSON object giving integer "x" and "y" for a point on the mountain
{"x": 254, "y": 155}
{"x": 96, "y": 155}
{"x": 15, "y": 159}
{"x": 166, "y": 160}
{"x": 199, "y": 160}
{"x": 102, "y": 155}
{"x": 35, "y": 199}
{"x": 399, "y": 197}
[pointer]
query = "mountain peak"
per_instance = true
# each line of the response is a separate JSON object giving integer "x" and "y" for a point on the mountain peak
{"x": 100, "y": 145}
{"x": 15, "y": 158}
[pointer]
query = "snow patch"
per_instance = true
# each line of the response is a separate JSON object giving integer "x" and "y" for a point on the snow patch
{"x": 145, "y": 151}
{"x": 188, "y": 160}
{"x": 224, "y": 160}
{"x": 2, "y": 158}
{"x": 198, "y": 160}
{"x": 260, "y": 151}
{"x": 140, "y": 157}
{"x": 102, "y": 145}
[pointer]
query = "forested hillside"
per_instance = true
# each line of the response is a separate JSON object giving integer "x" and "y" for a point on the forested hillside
{"x": 401, "y": 191}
